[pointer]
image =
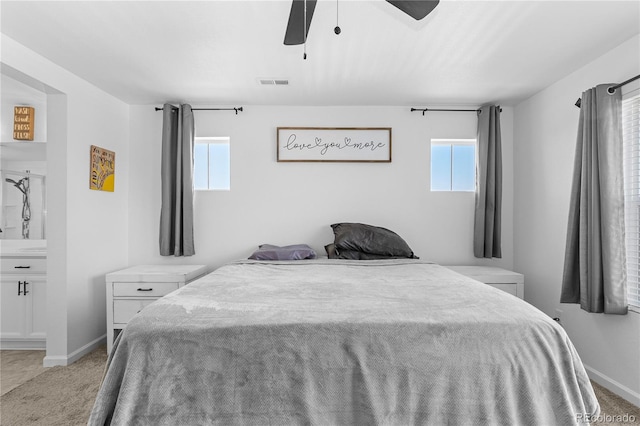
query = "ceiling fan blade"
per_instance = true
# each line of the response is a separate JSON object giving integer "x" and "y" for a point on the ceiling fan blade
{"x": 417, "y": 9}
{"x": 295, "y": 28}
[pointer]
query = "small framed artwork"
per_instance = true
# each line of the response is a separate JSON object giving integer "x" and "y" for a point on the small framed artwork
{"x": 23, "y": 123}
{"x": 103, "y": 166}
{"x": 334, "y": 144}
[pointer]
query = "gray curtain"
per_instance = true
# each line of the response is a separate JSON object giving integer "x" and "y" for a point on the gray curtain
{"x": 176, "y": 215}
{"x": 488, "y": 212}
{"x": 594, "y": 265}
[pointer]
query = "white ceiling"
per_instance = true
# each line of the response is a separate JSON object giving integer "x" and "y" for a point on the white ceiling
{"x": 213, "y": 52}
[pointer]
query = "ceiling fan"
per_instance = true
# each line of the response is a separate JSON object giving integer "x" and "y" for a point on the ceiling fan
{"x": 298, "y": 29}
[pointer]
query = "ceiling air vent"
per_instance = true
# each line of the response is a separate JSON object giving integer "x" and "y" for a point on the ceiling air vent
{"x": 273, "y": 82}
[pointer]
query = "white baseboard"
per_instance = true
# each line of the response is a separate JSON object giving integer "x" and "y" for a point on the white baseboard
{"x": 614, "y": 386}
{"x": 23, "y": 344}
{"x": 64, "y": 360}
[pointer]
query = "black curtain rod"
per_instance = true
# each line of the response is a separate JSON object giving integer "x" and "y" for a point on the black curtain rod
{"x": 211, "y": 109}
{"x": 612, "y": 89}
{"x": 448, "y": 110}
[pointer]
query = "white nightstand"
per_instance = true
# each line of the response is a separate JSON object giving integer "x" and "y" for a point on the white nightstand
{"x": 509, "y": 281}
{"x": 130, "y": 290}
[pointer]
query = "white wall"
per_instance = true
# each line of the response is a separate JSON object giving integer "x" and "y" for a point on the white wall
{"x": 288, "y": 203}
{"x": 87, "y": 229}
{"x": 545, "y": 137}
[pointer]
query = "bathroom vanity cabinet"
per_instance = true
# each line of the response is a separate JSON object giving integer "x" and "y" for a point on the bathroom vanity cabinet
{"x": 23, "y": 290}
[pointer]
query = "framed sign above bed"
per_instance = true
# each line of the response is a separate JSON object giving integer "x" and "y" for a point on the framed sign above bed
{"x": 334, "y": 144}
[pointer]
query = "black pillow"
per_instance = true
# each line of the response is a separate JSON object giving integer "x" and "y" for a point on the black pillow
{"x": 331, "y": 251}
{"x": 334, "y": 253}
{"x": 370, "y": 240}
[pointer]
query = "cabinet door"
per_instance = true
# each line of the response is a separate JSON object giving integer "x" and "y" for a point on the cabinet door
{"x": 12, "y": 316}
{"x": 36, "y": 314}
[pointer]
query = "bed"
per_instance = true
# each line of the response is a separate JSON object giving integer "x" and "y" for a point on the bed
{"x": 342, "y": 342}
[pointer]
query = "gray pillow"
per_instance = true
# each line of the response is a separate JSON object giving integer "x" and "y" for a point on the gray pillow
{"x": 334, "y": 253}
{"x": 292, "y": 252}
{"x": 372, "y": 242}
{"x": 331, "y": 251}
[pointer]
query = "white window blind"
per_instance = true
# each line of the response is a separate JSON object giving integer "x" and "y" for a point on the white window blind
{"x": 453, "y": 164}
{"x": 631, "y": 144}
{"x": 211, "y": 165}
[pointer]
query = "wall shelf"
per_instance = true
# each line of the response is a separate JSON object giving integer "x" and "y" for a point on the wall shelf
{"x": 23, "y": 151}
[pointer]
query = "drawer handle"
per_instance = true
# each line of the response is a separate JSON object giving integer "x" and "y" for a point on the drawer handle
{"x": 145, "y": 289}
{"x": 21, "y": 267}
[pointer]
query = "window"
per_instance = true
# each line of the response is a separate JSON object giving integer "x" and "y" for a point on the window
{"x": 211, "y": 166}
{"x": 631, "y": 155}
{"x": 453, "y": 164}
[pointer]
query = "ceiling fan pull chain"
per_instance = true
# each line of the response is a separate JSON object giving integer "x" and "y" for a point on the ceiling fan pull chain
{"x": 337, "y": 28}
{"x": 305, "y": 31}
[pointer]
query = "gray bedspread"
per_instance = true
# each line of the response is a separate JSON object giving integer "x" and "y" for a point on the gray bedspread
{"x": 330, "y": 342}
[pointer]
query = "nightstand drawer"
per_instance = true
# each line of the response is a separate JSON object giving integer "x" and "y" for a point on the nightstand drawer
{"x": 502, "y": 279}
{"x": 125, "y": 309}
{"x": 141, "y": 289}
{"x": 511, "y": 288}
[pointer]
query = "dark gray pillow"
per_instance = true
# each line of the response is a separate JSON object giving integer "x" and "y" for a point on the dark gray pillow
{"x": 370, "y": 240}
{"x": 331, "y": 251}
{"x": 334, "y": 253}
{"x": 292, "y": 252}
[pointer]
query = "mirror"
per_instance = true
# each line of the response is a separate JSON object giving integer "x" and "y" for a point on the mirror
{"x": 23, "y": 212}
